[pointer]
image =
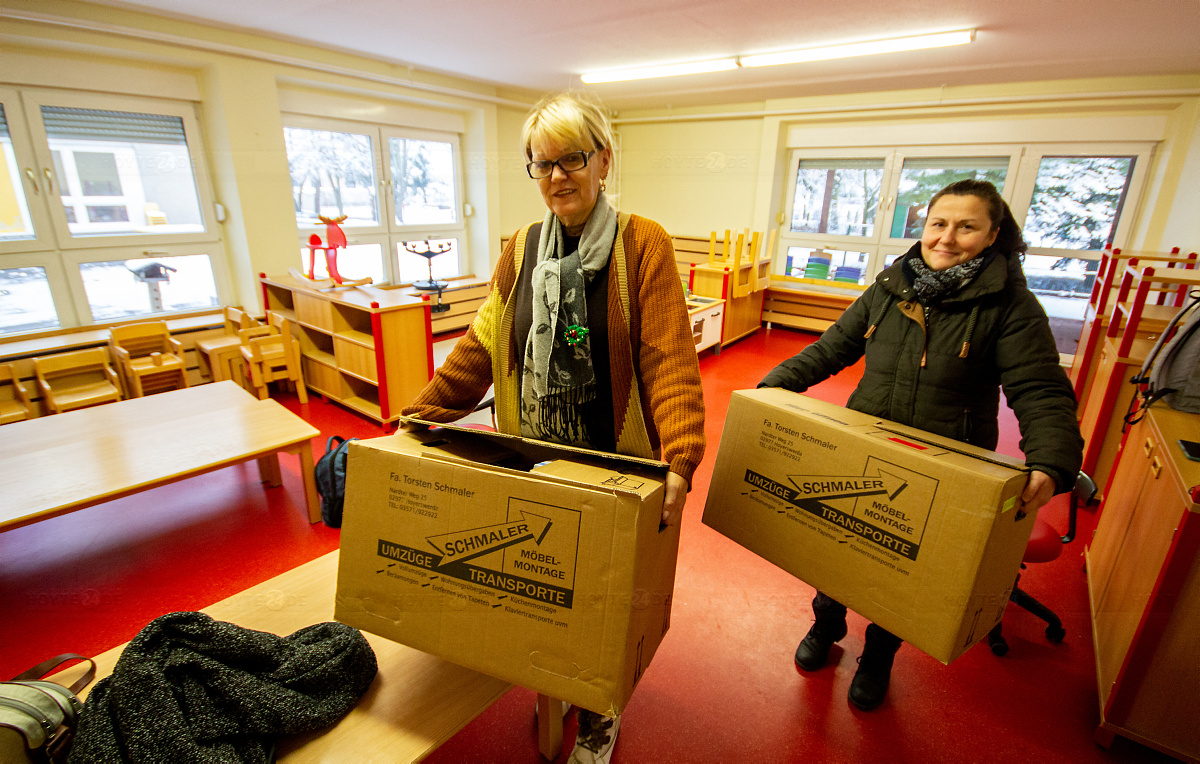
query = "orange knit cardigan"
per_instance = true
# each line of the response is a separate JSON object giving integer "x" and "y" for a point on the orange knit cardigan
{"x": 658, "y": 400}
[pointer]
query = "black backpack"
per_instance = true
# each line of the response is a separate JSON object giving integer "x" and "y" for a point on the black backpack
{"x": 330, "y": 472}
{"x": 1172, "y": 368}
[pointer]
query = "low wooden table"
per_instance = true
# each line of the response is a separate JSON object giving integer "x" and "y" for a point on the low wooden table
{"x": 415, "y": 704}
{"x": 58, "y": 464}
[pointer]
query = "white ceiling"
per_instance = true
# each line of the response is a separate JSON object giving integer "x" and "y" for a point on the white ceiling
{"x": 542, "y": 46}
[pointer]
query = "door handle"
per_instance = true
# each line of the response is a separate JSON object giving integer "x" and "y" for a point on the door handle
{"x": 49, "y": 180}
{"x": 32, "y": 180}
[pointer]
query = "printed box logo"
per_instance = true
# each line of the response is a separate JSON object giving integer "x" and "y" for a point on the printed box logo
{"x": 887, "y": 505}
{"x": 532, "y": 554}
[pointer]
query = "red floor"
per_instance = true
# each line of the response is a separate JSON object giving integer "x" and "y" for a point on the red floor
{"x": 722, "y": 687}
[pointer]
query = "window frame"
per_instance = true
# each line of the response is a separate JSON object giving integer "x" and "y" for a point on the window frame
{"x": 1020, "y": 179}
{"x": 23, "y": 150}
{"x": 33, "y": 99}
{"x": 1022, "y": 197}
{"x": 389, "y": 234}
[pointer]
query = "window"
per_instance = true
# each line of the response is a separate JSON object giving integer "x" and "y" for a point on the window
{"x": 122, "y": 172}
{"x": 423, "y": 181}
{"x": 15, "y": 222}
{"x": 333, "y": 174}
{"x": 336, "y": 168}
{"x": 92, "y": 189}
{"x": 355, "y": 261}
{"x": 146, "y": 286}
{"x": 26, "y": 304}
{"x": 1077, "y": 200}
{"x": 838, "y": 266}
{"x": 837, "y": 196}
{"x": 922, "y": 177}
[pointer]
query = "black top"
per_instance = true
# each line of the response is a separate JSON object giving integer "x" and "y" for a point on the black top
{"x": 597, "y": 415}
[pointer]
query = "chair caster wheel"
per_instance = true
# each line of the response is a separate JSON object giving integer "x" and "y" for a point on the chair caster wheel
{"x": 999, "y": 646}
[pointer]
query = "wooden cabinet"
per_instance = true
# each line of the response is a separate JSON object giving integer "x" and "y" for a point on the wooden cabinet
{"x": 368, "y": 348}
{"x": 1143, "y": 567}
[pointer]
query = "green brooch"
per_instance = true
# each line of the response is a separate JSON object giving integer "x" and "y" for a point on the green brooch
{"x": 574, "y": 334}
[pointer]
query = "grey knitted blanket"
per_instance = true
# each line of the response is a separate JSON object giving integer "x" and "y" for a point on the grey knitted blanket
{"x": 188, "y": 689}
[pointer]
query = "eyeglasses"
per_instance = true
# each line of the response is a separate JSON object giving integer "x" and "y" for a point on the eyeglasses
{"x": 572, "y": 162}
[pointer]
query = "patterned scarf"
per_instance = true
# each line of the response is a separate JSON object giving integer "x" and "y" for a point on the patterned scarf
{"x": 558, "y": 377}
{"x": 931, "y": 286}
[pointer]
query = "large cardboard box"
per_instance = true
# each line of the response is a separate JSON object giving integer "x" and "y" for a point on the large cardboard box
{"x": 917, "y": 533}
{"x": 544, "y": 566}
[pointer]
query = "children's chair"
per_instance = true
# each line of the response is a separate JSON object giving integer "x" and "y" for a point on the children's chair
{"x": 14, "y": 399}
{"x": 76, "y": 380}
{"x": 272, "y": 353}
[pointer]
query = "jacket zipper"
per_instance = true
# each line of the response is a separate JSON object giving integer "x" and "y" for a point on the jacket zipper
{"x": 925, "y": 338}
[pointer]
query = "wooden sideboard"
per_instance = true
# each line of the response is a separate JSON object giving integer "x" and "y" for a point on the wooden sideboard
{"x": 1143, "y": 566}
{"x": 369, "y": 348}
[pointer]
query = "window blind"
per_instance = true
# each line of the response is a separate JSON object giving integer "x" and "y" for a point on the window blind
{"x": 956, "y": 163}
{"x": 95, "y": 124}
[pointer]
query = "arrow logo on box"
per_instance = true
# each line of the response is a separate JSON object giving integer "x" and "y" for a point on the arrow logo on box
{"x": 826, "y": 487}
{"x": 461, "y": 546}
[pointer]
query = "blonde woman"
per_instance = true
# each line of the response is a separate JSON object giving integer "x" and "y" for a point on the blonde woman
{"x": 585, "y": 334}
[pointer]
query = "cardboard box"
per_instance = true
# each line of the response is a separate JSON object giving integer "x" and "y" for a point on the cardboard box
{"x": 544, "y": 566}
{"x": 917, "y": 533}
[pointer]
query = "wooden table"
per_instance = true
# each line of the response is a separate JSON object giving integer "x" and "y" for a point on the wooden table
{"x": 415, "y": 704}
{"x": 58, "y": 464}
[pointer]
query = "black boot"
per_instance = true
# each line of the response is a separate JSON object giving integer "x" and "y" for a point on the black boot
{"x": 829, "y": 627}
{"x": 870, "y": 684}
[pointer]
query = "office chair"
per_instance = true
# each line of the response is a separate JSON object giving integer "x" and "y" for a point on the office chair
{"x": 1045, "y": 545}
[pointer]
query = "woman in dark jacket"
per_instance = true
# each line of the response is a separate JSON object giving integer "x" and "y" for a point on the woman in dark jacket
{"x": 942, "y": 330}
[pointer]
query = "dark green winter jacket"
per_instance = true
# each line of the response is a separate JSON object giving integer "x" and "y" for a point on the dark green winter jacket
{"x": 940, "y": 368}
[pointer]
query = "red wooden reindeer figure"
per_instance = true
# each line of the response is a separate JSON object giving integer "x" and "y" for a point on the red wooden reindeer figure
{"x": 335, "y": 239}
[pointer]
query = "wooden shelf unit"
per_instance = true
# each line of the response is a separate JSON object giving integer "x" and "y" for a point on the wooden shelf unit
{"x": 368, "y": 348}
{"x": 1143, "y": 569}
{"x": 1099, "y": 310}
{"x": 1125, "y": 348}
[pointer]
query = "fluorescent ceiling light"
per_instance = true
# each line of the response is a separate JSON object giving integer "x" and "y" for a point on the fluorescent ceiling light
{"x": 670, "y": 70}
{"x": 893, "y": 45}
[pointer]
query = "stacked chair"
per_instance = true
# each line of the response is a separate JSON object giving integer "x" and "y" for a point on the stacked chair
{"x": 220, "y": 357}
{"x": 149, "y": 359}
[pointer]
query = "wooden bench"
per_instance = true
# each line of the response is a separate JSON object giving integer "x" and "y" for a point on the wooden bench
{"x": 789, "y": 304}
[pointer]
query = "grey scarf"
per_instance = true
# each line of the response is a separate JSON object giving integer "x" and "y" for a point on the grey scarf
{"x": 931, "y": 286}
{"x": 558, "y": 375}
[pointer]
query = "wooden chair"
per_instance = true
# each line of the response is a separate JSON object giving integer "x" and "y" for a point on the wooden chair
{"x": 14, "y": 398}
{"x": 149, "y": 358}
{"x": 272, "y": 354}
{"x": 220, "y": 357}
{"x": 76, "y": 380}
